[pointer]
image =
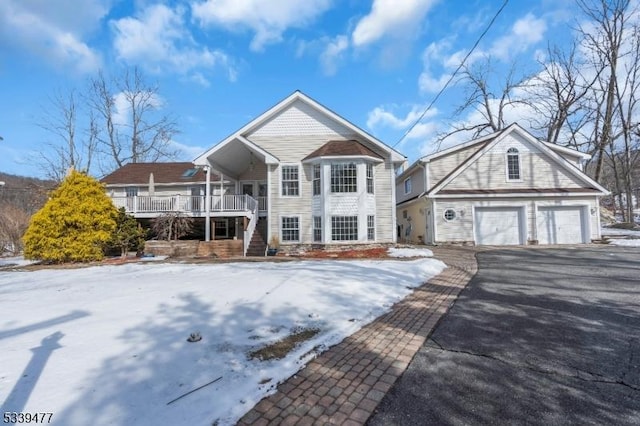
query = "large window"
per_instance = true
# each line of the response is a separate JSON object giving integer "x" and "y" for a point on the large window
{"x": 513, "y": 164}
{"x": 344, "y": 228}
{"x": 132, "y": 191}
{"x": 317, "y": 229}
{"x": 290, "y": 228}
{"x": 369, "y": 178}
{"x": 371, "y": 228}
{"x": 290, "y": 183}
{"x": 344, "y": 177}
{"x": 316, "y": 179}
{"x": 407, "y": 185}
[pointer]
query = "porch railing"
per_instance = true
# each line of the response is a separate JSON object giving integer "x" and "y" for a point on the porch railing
{"x": 185, "y": 203}
{"x": 253, "y": 220}
{"x": 262, "y": 203}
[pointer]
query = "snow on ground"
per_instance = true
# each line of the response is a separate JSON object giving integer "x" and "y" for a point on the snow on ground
{"x": 409, "y": 252}
{"x": 618, "y": 231}
{"x": 17, "y": 261}
{"x": 626, "y": 243}
{"x": 107, "y": 344}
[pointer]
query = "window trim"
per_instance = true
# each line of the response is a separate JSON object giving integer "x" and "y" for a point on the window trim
{"x": 333, "y": 227}
{"x": 444, "y": 214}
{"x": 341, "y": 180}
{"x": 369, "y": 179}
{"x": 317, "y": 238}
{"x": 316, "y": 181}
{"x": 281, "y": 229}
{"x": 513, "y": 152}
{"x": 282, "y": 181}
{"x": 371, "y": 228}
{"x": 408, "y": 180}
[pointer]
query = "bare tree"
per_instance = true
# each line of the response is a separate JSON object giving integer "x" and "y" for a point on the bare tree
{"x": 171, "y": 226}
{"x": 133, "y": 128}
{"x": 604, "y": 40}
{"x": 14, "y": 222}
{"x": 558, "y": 94}
{"x": 70, "y": 150}
{"x": 490, "y": 104}
{"x": 116, "y": 121}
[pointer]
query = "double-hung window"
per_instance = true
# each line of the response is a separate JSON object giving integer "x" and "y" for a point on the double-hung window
{"x": 317, "y": 229}
{"x": 344, "y": 228}
{"x": 371, "y": 227}
{"x": 290, "y": 182}
{"x": 344, "y": 177}
{"x": 513, "y": 164}
{"x": 369, "y": 178}
{"x": 407, "y": 185}
{"x": 290, "y": 228}
{"x": 316, "y": 179}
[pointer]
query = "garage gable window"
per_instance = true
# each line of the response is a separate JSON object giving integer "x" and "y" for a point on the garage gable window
{"x": 513, "y": 164}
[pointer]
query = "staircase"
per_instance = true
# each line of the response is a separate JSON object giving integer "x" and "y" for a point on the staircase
{"x": 258, "y": 246}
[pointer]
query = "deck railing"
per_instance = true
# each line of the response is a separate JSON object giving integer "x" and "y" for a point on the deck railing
{"x": 185, "y": 203}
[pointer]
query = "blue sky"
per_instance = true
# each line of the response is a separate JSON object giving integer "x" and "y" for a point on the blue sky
{"x": 220, "y": 63}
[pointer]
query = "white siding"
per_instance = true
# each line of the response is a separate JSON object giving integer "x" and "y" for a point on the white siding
{"x": 537, "y": 170}
{"x": 299, "y": 119}
{"x": 417, "y": 185}
{"x": 384, "y": 185}
{"x": 439, "y": 168}
{"x": 462, "y": 228}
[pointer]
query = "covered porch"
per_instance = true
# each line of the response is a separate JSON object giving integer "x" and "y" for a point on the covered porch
{"x": 247, "y": 165}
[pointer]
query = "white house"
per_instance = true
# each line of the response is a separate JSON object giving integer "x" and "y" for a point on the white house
{"x": 324, "y": 180}
{"x": 298, "y": 173}
{"x": 504, "y": 188}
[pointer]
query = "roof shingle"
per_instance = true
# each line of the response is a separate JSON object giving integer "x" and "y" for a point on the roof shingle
{"x": 163, "y": 173}
{"x": 342, "y": 148}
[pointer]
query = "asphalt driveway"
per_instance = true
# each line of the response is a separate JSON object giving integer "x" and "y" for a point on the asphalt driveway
{"x": 539, "y": 336}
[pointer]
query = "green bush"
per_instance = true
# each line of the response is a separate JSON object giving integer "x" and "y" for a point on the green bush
{"x": 128, "y": 234}
{"x": 75, "y": 224}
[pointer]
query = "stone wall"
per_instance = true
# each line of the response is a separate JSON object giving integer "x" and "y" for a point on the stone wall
{"x": 194, "y": 248}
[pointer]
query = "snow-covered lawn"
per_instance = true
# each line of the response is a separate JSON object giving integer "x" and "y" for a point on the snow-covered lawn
{"x": 618, "y": 231}
{"x": 107, "y": 344}
{"x": 626, "y": 243}
{"x": 14, "y": 261}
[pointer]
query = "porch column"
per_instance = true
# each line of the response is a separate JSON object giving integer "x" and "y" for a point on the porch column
{"x": 207, "y": 209}
{"x": 221, "y": 192}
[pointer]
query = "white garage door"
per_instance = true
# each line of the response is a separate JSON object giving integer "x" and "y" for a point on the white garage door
{"x": 498, "y": 225}
{"x": 561, "y": 225}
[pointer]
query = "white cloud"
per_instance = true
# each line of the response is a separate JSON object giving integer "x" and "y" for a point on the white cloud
{"x": 524, "y": 33}
{"x": 53, "y": 30}
{"x": 390, "y": 18}
{"x": 159, "y": 39}
{"x": 428, "y": 83}
{"x": 187, "y": 152}
{"x": 386, "y": 117}
{"x": 267, "y": 19}
{"x": 333, "y": 53}
{"x": 122, "y": 108}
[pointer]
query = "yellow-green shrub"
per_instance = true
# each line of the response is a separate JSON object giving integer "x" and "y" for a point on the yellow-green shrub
{"x": 74, "y": 225}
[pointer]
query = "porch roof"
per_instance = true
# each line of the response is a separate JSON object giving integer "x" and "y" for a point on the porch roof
{"x": 234, "y": 156}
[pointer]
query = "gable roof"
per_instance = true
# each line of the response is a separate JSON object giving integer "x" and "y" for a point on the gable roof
{"x": 491, "y": 140}
{"x": 396, "y": 156}
{"x": 163, "y": 173}
{"x": 342, "y": 148}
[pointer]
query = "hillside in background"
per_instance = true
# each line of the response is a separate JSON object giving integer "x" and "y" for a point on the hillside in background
{"x": 26, "y": 193}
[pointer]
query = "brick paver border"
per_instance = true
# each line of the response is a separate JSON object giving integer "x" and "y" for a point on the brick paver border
{"x": 345, "y": 384}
